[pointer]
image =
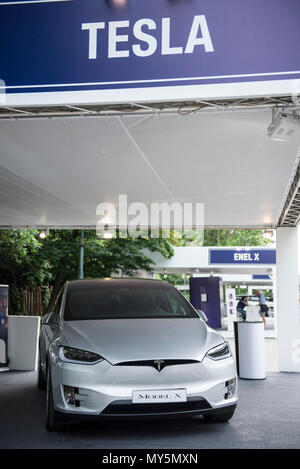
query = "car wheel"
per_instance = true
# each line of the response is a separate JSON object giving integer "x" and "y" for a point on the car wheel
{"x": 52, "y": 422}
{"x": 218, "y": 418}
{"x": 41, "y": 381}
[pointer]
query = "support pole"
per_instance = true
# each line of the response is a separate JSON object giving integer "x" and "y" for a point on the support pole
{"x": 288, "y": 299}
{"x": 81, "y": 253}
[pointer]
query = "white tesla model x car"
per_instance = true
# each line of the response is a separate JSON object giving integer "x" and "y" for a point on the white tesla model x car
{"x": 132, "y": 347}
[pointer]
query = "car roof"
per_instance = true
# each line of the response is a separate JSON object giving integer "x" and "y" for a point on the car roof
{"x": 117, "y": 282}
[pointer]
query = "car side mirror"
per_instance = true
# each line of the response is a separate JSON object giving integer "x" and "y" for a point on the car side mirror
{"x": 45, "y": 319}
{"x": 202, "y": 315}
{"x": 50, "y": 319}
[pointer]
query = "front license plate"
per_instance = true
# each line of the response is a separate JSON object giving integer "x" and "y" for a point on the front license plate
{"x": 160, "y": 395}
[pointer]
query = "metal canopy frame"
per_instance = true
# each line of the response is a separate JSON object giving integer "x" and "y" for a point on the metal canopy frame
{"x": 290, "y": 211}
{"x": 290, "y": 214}
{"x": 180, "y": 107}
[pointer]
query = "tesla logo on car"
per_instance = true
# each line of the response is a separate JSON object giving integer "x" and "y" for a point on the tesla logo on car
{"x": 159, "y": 364}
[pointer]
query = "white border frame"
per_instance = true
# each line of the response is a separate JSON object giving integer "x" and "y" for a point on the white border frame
{"x": 166, "y": 93}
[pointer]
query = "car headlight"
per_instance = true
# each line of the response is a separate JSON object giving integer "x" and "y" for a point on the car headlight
{"x": 220, "y": 352}
{"x": 75, "y": 355}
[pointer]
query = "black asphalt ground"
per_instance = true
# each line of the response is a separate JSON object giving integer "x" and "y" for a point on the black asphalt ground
{"x": 268, "y": 416}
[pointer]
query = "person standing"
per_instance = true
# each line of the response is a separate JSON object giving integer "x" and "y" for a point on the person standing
{"x": 241, "y": 306}
{"x": 262, "y": 305}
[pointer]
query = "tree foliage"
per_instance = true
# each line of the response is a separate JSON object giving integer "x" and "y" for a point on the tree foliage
{"x": 20, "y": 263}
{"x": 102, "y": 257}
{"x": 28, "y": 260}
{"x": 232, "y": 237}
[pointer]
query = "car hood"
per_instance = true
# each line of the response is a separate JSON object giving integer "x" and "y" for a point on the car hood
{"x": 120, "y": 340}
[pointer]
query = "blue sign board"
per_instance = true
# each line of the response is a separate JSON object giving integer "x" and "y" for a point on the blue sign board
{"x": 205, "y": 295}
{"x": 62, "y": 51}
{"x": 261, "y": 277}
{"x": 242, "y": 256}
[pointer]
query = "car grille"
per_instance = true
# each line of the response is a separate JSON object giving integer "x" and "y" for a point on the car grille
{"x": 152, "y": 363}
{"x": 124, "y": 408}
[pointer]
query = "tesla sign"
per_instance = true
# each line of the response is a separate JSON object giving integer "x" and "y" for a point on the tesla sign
{"x": 66, "y": 51}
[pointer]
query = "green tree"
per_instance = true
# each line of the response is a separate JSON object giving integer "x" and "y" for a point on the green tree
{"x": 20, "y": 264}
{"x": 174, "y": 279}
{"x": 26, "y": 260}
{"x": 102, "y": 257}
{"x": 232, "y": 237}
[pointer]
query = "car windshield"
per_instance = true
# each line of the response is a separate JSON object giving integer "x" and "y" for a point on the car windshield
{"x": 115, "y": 302}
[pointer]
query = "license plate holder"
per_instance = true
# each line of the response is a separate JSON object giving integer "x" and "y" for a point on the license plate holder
{"x": 156, "y": 396}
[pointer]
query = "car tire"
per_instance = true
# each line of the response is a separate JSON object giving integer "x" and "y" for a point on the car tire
{"x": 53, "y": 424}
{"x": 41, "y": 381}
{"x": 218, "y": 418}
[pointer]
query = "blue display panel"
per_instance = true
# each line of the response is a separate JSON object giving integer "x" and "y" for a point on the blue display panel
{"x": 205, "y": 295}
{"x": 242, "y": 256}
{"x": 85, "y": 45}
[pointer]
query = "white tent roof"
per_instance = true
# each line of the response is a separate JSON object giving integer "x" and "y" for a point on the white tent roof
{"x": 54, "y": 172}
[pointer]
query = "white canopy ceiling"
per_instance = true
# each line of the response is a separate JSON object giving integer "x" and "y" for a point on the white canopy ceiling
{"x": 54, "y": 172}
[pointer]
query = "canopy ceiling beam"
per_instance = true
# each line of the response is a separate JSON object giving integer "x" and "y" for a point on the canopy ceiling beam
{"x": 180, "y": 107}
{"x": 290, "y": 214}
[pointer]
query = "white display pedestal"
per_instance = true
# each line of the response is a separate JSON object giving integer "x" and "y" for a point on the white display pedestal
{"x": 23, "y": 337}
{"x": 250, "y": 350}
{"x": 252, "y": 314}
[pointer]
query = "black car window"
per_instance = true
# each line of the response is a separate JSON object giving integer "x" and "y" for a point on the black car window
{"x": 124, "y": 302}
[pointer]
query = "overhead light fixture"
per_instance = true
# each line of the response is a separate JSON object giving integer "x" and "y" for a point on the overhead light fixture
{"x": 44, "y": 233}
{"x": 284, "y": 126}
{"x": 117, "y": 3}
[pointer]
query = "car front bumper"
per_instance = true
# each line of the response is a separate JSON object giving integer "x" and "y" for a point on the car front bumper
{"x": 104, "y": 390}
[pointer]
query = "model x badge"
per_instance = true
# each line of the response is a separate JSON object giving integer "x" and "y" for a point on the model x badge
{"x": 159, "y": 364}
